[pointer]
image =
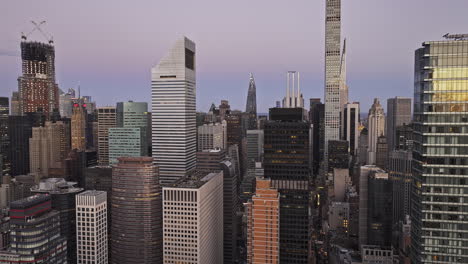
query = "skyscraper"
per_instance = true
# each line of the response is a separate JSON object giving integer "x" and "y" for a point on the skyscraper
{"x": 4, "y": 139}
{"x": 193, "y": 210}
{"x": 332, "y": 70}
{"x": 20, "y": 130}
{"x": 376, "y": 128}
{"x": 32, "y": 219}
{"x": 251, "y": 105}
{"x": 136, "y": 212}
{"x": 106, "y": 119}
{"x": 287, "y": 164}
{"x": 78, "y": 127}
{"x": 63, "y": 195}
{"x": 379, "y": 216}
{"x": 398, "y": 114}
{"x": 91, "y": 226}
{"x": 36, "y": 86}
{"x": 438, "y": 207}
{"x": 316, "y": 117}
{"x": 173, "y": 111}
{"x": 255, "y": 139}
{"x": 351, "y": 119}
{"x": 263, "y": 224}
{"x": 293, "y": 99}
{"x": 344, "y": 93}
{"x": 213, "y": 135}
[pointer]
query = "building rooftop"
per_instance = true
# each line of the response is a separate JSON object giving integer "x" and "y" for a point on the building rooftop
{"x": 92, "y": 193}
{"x": 29, "y": 201}
{"x": 56, "y": 186}
{"x": 193, "y": 180}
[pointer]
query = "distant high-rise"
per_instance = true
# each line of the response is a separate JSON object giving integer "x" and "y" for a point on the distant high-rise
{"x": 15, "y": 104}
{"x": 376, "y": 128}
{"x": 438, "y": 210}
{"x": 293, "y": 99}
{"x": 4, "y": 139}
{"x": 365, "y": 174}
{"x": 338, "y": 155}
{"x": 398, "y": 114}
{"x": 381, "y": 154}
{"x": 106, "y": 119}
{"x": 379, "y": 216}
{"x": 173, "y": 111}
{"x": 332, "y": 70}
{"x": 316, "y": 117}
{"x": 78, "y": 127}
{"x": 136, "y": 212}
{"x": 19, "y": 130}
{"x": 212, "y": 135}
{"x": 193, "y": 219}
{"x": 66, "y": 103}
{"x": 399, "y": 167}
{"x": 129, "y": 138}
{"x": 48, "y": 147}
{"x": 35, "y": 233}
{"x": 263, "y": 224}
{"x": 351, "y": 119}
{"x": 255, "y": 139}
{"x": 251, "y": 105}
{"x": 36, "y": 86}
{"x": 91, "y": 226}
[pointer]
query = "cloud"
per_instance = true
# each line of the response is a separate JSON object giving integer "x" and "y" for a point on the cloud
{"x": 10, "y": 53}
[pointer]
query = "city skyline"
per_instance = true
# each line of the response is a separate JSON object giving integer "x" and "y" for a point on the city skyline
{"x": 142, "y": 41}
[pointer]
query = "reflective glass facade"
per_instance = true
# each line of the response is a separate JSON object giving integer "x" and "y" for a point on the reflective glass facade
{"x": 440, "y": 201}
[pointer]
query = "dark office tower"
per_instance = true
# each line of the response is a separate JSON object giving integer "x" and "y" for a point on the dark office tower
{"x": 255, "y": 139}
{"x": 438, "y": 218}
{"x": 338, "y": 155}
{"x": 287, "y": 164}
{"x": 36, "y": 86}
{"x": 351, "y": 120}
{"x": 63, "y": 201}
{"x": 399, "y": 167}
{"x": 235, "y": 136}
{"x": 317, "y": 117}
{"x": 136, "y": 212}
{"x": 381, "y": 155}
{"x": 404, "y": 137}
{"x": 209, "y": 160}
{"x": 379, "y": 219}
{"x": 19, "y": 130}
{"x": 251, "y": 105}
{"x": 4, "y": 140}
{"x": 35, "y": 233}
{"x": 398, "y": 114}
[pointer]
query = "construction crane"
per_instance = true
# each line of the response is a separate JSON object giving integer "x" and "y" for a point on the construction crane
{"x": 456, "y": 36}
{"x": 37, "y": 26}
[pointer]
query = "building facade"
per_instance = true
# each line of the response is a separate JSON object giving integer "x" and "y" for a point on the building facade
{"x": 376, "y": 128}
{"x": 438, "y": 211}
{"x": 263, "y": 224}
{"x": 351, "y": 120}
{"x": 91, "y": 227}
{"x": 106, "y": 119}
{"x": 173, "y": 111}
{"x": 212, "y": 135}
{"x": 136, "y": 212}
{"x": 78, "y": 127}
{"x": 193, "y": 219}
{"x": 398, "y": 114}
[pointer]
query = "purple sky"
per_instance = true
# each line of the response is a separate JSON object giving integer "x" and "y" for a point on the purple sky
{"x": 110, "y": 46}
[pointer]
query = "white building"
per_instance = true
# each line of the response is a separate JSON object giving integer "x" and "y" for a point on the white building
{"x": 350, "y": 126}
{"x": 91, "y": 227}
{"x": 193, "y": 219}
{"x": 173, "y": 111}
{"x": 212, "y": 136}
{"x": 376, "y": 128}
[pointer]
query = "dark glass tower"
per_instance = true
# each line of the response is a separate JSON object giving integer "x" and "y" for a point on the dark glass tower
{"x": 136, "y": 212}
{"x": 287, "y": 164}
{"x": 4, "y": 140}
{"x": 317, "y": 117}
{"x": 251, "y": 105}
{"x": 379, "y": 218}
{"x": 439, "y": 203}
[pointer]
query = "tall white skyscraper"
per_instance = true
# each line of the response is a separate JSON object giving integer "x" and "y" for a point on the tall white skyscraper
{"x": 91, "y": 227}
{"x": 332, "y": 71}
{"x": 376, "y": 128}
{"x": 173, "y": 111}
{"x": 193, "y": 219}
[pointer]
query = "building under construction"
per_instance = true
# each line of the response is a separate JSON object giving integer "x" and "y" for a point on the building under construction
{"x": 37, "y": 88}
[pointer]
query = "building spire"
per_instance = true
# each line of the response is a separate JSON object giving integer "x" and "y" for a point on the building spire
{"x": 251, "y": 105}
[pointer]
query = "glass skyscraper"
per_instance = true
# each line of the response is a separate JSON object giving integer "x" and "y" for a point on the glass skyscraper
{"x": 439, "y": 199}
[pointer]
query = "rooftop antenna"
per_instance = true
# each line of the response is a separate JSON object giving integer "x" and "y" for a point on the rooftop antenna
{"x": 456, "y": 36}
{"x": 37, "y": 26}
